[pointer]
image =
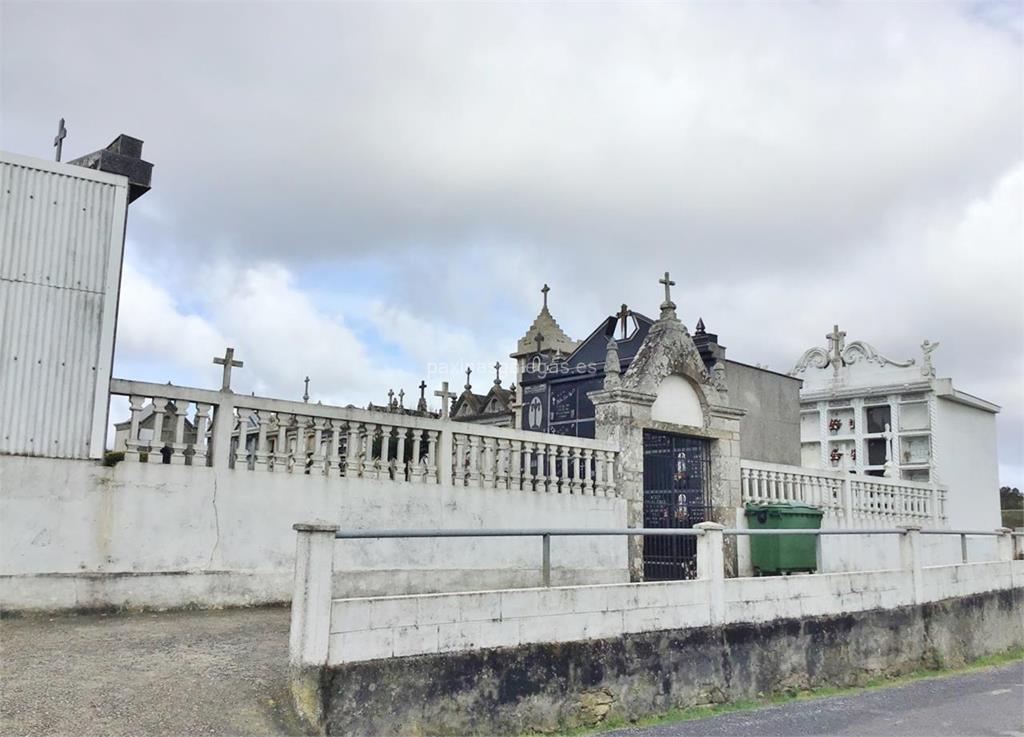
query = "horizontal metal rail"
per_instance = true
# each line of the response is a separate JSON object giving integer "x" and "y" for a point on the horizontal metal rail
{"x": 627, "y": 531}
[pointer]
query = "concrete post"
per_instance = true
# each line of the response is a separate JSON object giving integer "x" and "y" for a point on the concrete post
{"x": 1018, "y": 544}
{"x": 309, "y": 636}
{"x": 744, "y": 564}
{"x": 444, "y": 456}
{"x": 711, "y": 567}
{"x": 1004, "y": 543}
{"x": 910, "y": 559}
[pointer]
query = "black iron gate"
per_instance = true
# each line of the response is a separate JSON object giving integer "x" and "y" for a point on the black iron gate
{"x": 677, "y": 482}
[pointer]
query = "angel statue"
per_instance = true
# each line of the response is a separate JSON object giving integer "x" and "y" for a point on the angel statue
{"x": 927, "y": 369}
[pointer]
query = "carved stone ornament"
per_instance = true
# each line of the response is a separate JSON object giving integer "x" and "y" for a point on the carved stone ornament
{"x": 668, "y": 349}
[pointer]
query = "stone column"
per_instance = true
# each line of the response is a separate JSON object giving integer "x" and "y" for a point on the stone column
{"x": 726, "y": 494}
{"x": 619, "y": 417}
{"x": 711, "y": 568}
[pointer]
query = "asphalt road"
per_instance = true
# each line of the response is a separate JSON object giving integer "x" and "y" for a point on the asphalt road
{"x": 988, "y": 702}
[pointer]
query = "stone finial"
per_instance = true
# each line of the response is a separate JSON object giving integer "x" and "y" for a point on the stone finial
{"x": 421, "y": 405}
{"x": 497, "y": 373}
{"x": 544, "y": 290}
{"x": 668, "y": 307}
{"x": 700, "y": 330}
{"x": 927, "y": 369}
{"x": 469, "y": 370}
{"x": 305, "y": 393}
{"x": 612, "y": 367}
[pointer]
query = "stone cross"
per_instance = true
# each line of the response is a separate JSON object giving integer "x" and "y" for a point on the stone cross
{"x": 305, "y": 394}
{"x": 497, "y": 373}
{"x": 421, "y": 405}
{"x": 391, "y": 398}
{"x": 836, "y": 343}
{"x": 445, "y": 396}
{"x": 401, "y": 397}
{"x": 538, "y": 339}
{"x": 622, "y": 316}
{"x": 58, "y": 142}
{"x": 227, "y": 362}
{"x": 468, "y": 372}
{"x": 544, "y": 290}
{"x": 668, "y": 284}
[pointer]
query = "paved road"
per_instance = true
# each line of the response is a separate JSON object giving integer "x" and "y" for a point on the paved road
{"x": 989, "y": 702}
{"x": 173, "y": 673}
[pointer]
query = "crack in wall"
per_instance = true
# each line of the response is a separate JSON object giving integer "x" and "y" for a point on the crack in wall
{"x": 216, "y": 525}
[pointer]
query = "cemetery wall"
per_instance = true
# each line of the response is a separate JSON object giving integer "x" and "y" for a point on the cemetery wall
{"x": 78, "y": 535}
{"x": 778, "y": 635}
{"x": 965, "y": 455}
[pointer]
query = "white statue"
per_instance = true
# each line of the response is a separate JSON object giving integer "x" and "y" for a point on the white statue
{"x": 927, "y": 348}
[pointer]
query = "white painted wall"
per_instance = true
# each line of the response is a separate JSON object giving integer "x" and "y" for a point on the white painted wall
{"x": 966, "y": 460}
{"x": 677, "y": 403}
{"x": 370, "y": 628}
{"x": 77, "y": 534}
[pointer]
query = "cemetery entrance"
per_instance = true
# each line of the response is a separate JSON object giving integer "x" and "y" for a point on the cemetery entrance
{"x": 677, "y": 483}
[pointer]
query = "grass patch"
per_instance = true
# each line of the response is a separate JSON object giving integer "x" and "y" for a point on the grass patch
{"x": 703, "y": 712}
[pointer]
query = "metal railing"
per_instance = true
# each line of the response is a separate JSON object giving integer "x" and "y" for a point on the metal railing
{"x": 547, "y": 533}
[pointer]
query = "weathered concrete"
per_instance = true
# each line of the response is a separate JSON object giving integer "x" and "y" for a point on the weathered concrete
{"x": 541, "y": 687}
{"x": 78, "y": 535}
{"x": 770, "y": 429}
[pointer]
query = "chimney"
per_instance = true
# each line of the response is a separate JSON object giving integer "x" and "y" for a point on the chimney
{"x": 123, "y": 156}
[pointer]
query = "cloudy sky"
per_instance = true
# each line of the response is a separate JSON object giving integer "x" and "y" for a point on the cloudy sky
{"x": 362, "y": 193}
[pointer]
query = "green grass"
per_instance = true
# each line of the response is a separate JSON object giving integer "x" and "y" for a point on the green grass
{"x": 703, "y": 712}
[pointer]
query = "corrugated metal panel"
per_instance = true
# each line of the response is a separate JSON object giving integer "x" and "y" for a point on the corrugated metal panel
{"x": 61, "y": 239}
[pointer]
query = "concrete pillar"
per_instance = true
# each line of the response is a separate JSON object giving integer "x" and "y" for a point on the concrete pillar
{"x": 910, "y": 560}
{"x": 223, "y": 427}
{"x": 744, "y": 563}
{"x": 311, "y": 599}
{"x": 711, "y": 567}
{"x": 1004, "y": 544}
{"x": 1018, "y": 544}
{"x": 444, "y": 456}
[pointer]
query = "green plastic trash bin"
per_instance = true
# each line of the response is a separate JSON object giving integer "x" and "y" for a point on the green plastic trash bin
{"x": 774, "y": 554}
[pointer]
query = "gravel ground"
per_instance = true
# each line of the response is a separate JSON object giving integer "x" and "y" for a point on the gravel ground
{"x": 167, "y": 673}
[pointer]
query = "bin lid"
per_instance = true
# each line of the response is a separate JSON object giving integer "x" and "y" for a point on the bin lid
{"x": 783, "y": 507}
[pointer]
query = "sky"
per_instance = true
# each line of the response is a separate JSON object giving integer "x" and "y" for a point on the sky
{"x": 369, "y": 194}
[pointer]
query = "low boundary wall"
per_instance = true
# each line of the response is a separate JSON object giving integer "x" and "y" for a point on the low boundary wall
{"x": 78, "y": 535}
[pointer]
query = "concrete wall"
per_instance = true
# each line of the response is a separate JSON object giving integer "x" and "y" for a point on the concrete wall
{"x": 543, "y": 686}
{"x": 369, "y": 629}
{"x": 75, "y": 534}
{"x": 966, "y": 462}
{"x": 770, "y": 431}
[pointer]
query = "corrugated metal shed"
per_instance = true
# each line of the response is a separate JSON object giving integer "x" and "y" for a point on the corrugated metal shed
{"x": 61, "y": 241}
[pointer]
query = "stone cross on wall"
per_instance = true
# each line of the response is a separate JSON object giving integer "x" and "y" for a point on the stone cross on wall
{"x": 421, "y": 405}
{"x": 836, "y": 343}
{"x": 228, "y": 362}
{"x": 401, "y": 398}
{"x": 668, "y": 286}
{"x": 445, "y": 396}
{"x": 544, "y": 290}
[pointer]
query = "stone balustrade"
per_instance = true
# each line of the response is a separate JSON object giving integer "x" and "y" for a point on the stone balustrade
{"x": 847, "y": 499}
{"x": 205, "y": 428}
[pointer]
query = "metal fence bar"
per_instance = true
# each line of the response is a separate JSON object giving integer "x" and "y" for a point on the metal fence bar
{"x": 630, "y": 531}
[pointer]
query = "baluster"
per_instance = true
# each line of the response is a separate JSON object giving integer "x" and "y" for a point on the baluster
{"x": 317, "y": 460}
{"x": 587, "y": 472}
{"x": 332, "y": 438}
{"x": 281, "y": 443}
{"x": 516, "y": 465}
{"x": 261, "y": 456}
{"x": 432, "y": 459}
{"x": 529, "y": 477}
{"x": 552, "y": 475}
{"x": 602, "y": 465}
{"x": 201, "y": 446}
{"x": 576, "y": 482}
{"x": 502, "y": 464}
{"x": 474, "y": 461}
{"x": 400, "y": 466}
{"x": 178, "y": 444}
{"x": 488, "y": 475}
{"x": 562, "y": 469}
{"x": 132, "y": 445}
{"x": 155, "y": 454}
{"x": 459, "y": 462}
{"x": 353, "y": 459}
{"x": 610, "y": 467}
{"x": 369, "y": 431}
{"x": 416, "y": 470}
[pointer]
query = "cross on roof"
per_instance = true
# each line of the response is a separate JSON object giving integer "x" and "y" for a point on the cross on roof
{"x": 622, "y": 316}
{"x": 468, "y": 372}
{"x": 538, "y": 339}
{"x": 58, "y": 141}
{"x": 227, "y": 362}
{"x": 668, "y": 284}
{"x": 305, "y": 394}
{"x": 836, "y": 343}
{"x": 391, "y": 396}
{"x": 445, "y": 396}
{"x": 401, "y": 397}
{"x": 423, "y": 389}
{"x": 544, "y": 290}
{"x": 497, "y": 373}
